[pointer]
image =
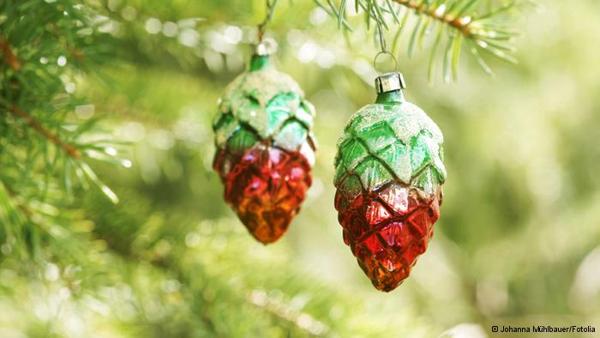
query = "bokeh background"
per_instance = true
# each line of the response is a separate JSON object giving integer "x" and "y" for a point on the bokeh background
{"x": 518, "y": 241}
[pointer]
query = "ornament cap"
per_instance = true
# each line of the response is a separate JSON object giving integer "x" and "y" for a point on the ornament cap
{"x": 389, "y": 82}
{"x": 266, "y": 47}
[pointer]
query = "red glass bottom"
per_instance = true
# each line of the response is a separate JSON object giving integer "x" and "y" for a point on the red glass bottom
{"x": 387, "y": 230}
{"x": 265, "y": 186}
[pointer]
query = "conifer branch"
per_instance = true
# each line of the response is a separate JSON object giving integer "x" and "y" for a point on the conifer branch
{"x": 459, "y": 23}
{"x": 71, "y": 150}
{"x": 9, "y": 56}
{"x": 263, "y": 25}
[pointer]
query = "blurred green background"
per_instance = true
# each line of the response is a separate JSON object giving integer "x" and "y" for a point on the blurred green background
{"x": 518, "y": 241}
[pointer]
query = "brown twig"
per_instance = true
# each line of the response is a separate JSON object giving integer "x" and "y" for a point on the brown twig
{"x": 9, "y": 56}
{"x": 52, "y": 137}
{"x": 263, "y": 25}
{"x": 462, "y": 24}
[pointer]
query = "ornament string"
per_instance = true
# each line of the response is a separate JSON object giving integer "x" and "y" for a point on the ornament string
{"x": 382, "y": 42}
{"x": 383, "y": 51}
{"x": 263, "y": 25}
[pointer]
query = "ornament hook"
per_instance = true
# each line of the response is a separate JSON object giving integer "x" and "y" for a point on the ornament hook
{"x": 381, "y": 54}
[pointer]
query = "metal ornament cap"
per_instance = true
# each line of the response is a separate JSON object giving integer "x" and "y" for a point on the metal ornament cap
{"x": 389, "y": 82}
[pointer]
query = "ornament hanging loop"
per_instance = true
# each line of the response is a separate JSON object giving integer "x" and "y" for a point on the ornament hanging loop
{"x": 377, "y": 60}
{"x": 384, "y": 52}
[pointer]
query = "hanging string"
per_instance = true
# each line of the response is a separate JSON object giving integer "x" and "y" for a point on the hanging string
{"x": 382, "y": 42}
{"x": 384, "y": 50}
{"x": 263, "y": 25}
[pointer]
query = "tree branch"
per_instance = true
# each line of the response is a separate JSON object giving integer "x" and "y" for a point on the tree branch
{"x": 459, "y": 22}
{"x": 263, "y": 25}
{"x": 52, "y": 137}
{"x": 9, "y": 56}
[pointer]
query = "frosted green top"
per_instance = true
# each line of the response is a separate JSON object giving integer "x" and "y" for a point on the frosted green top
{"x": 263, "y": 104}
{"x": 391, "y": 139}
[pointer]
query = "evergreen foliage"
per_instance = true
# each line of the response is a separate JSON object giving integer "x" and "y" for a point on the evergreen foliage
{"x": 85, "y": 84}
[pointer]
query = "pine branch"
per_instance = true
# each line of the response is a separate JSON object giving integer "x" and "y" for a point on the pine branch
{"x": 9, "y": 56}
{"x": 39, "y": 65}
{"x": 461, "y": 23}
{"x": 458, "y": 24}
{"x": 268, "y": 17}
{"x": 71, "y": 150}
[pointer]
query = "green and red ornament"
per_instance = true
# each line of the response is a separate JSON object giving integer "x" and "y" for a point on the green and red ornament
{"x": 265, "y": 146}
{"x": 389, "y": 176}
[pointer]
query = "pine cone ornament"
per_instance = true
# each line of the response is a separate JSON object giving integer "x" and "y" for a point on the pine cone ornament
{"x": 265, "y": 147}
{"x": 389, "y": 176}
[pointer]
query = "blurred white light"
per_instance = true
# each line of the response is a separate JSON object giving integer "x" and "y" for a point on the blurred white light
{"x": 52, "y": 272}
{"x": 171, "y": 285}
{"x": 70, "y": 87}
{"x": 43, "y": 60}
{"x": 128, "y": 13}
{"x": 96, "y": 306}
{"x": 126, "y": 164}
{"x": 110, "y": 194}
{"x": 85, "y": 111}
{"x": 192, "y": 239}
{"x": 189, "y": 37}
{"x": 213, "y": 60}
{"x": 64, "y": 293}
{"x": 153, "y": 26}
{"x": 316, "y": 190}
{"x": 465, "y": 330}
{"x": 110, "y": 26}
{"x": 307, "y": 52}
{"x": 326, "y": 59}
{"x": 170, "y": 29}
{"x": 351, "y": 9}
{"x": 218, "y": 43}
{"x": 85, "y": 31}
{"x": 586, "y": 286}
{"x": 61, "y": 61}
{"x": 188, "y": 23}
{"x": 318, "y": 16}
{"x": 295, "y": 37}
{"x": 162, "y": 139}
{"x": 492, "y": 296}
{"x": 233, "y": 34}
{"x": 110, "y": 151}
{"x": 440, "y": 10}
{"x": 365, "y": 70}
{"x": 132, "y": 132}
{"x": 113, "y": 5}
{"x": 258, "y": 297}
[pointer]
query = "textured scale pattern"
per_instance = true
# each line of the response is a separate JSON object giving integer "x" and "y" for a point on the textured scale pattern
{"x": 265, "y": 148}
{"x": 389, "y": 176}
